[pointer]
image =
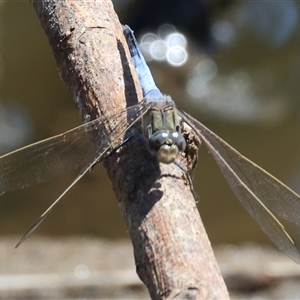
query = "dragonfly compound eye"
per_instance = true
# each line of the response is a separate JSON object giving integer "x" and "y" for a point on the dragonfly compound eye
{"x": 166, "y": 145}
{"x": 179, "y": 140}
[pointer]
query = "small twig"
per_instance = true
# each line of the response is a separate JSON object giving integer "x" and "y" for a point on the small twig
{"x": 173, "y": 256}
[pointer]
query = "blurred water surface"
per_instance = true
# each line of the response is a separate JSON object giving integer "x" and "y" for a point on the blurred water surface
{"x": 243, "y": 83}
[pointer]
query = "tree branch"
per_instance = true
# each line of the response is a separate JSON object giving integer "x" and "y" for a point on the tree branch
{"x": 173, "y": 255}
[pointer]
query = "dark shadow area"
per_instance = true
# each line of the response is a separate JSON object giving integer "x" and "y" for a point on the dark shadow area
{"x": 130, "y": 90}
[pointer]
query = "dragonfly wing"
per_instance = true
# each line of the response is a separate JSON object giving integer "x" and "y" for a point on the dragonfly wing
{"x": 134, "y": 113}
{"x": 49, "y": 158}
{"x": 261, "y": 194}
{"x": 41, "y": 218}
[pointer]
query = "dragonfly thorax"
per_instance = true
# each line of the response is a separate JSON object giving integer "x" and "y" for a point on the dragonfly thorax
{"x": 166, "y": 144}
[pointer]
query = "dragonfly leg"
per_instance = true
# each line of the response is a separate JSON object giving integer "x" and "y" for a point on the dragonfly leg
{"x": 143, "y": 141}
{"x": 133, "y": 136}
{"x": 113, "y": 151}
{"x": 188, "y": 176}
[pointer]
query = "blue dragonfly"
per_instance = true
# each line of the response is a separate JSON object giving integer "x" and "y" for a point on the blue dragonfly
{"x": 263, "y": 196}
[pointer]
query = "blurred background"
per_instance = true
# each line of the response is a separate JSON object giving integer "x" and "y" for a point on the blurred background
{"x": 233, "y": 65}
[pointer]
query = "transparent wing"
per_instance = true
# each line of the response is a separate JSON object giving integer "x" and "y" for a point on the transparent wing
{"x": 126, "y": 119}
{"x": 49, "y": 158}
{"x": 261, "y": 194}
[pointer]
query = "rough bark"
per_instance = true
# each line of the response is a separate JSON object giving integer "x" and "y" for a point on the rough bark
{"x": 173, "y": 255}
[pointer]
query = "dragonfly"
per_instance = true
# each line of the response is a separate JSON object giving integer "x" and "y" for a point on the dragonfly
{"x": 264, "y": 197}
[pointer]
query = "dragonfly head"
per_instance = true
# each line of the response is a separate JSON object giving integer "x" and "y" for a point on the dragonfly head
{"x": 166, "y": 144}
